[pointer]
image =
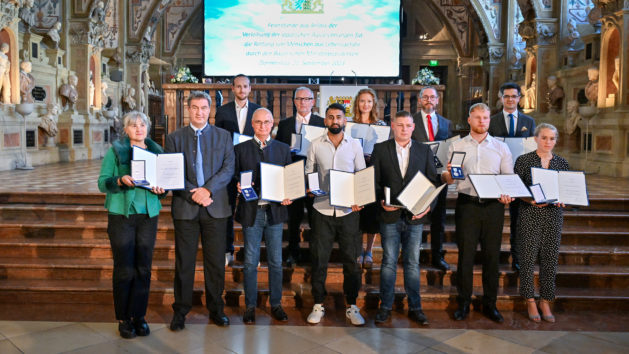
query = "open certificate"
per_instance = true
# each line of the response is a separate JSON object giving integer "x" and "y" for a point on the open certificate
{"x": 370, "y": 134}
{"x": 352, "y": 188}
{"x": 493, "y": 186}
{"x": 282, "y": 182}
{"x": 161, "y": 170}
{"x": 419, "y": 194}
{"x": 520, "y": 146}
{"x": 568, "y": 187}
{"x": 308, "y": 134}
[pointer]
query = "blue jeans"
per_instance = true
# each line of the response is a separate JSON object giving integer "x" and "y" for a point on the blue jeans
{"x": 409, "y": 237}
{"x": 253, "y": 240}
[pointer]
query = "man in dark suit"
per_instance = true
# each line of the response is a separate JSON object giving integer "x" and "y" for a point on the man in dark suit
{"x": 396, "y": 161}
{"x": 235, "y": 117}
{"x": 259, "y": 217}
{"x": 304, "y": 100}
{"x": 512, "y": 123}
{"x": 202, "y": 207}
{"x": 430, "y": 126}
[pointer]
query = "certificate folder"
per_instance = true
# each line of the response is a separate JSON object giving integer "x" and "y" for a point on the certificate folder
{"x": 313, "y": 184}
{"x": 441, "y": 152}
{"x": 161, "y": 170}
{"x": 520, "y": 146}
{"x": 539, "y": 196}
{"x": 493, "y": 186}
{"x": 246, "y": 186}
{"x": 352, "y": 188}
{"x": 371, "y": 134}
{"x": 308, "y": 134}
{"x": 241, "y": 138}
{"x": 419, "y": 193}
{"x": 568, "y": 187}
{"x": 282, "y": 182}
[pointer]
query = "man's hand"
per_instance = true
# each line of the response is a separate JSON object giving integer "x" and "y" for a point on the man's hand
{"x": 158, "y": 190}
{"x": 505, "y": 199}
{"x": 287, "y": 202}
{"x": 356, "y": 208}
{"x": 387, "y": 208}
{"x": 419, "y": 216}
{"x": 206, "y": 202}
{"x": 200, "y": 195}
{"x": 446, "y": 176}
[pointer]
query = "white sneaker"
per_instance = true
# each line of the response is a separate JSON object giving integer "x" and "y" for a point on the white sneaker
{"x": 353, "y": 314}
{"x": 317, "y": 314}
{"x": 229, "y": 259}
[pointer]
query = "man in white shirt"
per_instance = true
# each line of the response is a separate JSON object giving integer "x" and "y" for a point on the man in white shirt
{"x": 339, "y": 151}
{"x": 479, "y": 220}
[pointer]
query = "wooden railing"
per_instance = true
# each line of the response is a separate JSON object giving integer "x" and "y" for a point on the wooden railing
{"x": 279, "y": 99}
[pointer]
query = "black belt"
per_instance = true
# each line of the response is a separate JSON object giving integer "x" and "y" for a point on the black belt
{"x": 472, "y": 199}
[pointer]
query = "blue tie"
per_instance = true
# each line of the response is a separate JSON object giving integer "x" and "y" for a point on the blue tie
{"x": 198, "y": 166}
{"x": 511, "y": 125}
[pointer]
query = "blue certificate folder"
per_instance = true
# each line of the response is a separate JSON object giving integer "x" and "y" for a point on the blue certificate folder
{"x": 456, "y": 165}
{"x": 246, "y": 189}
{"x": 160, "y": 170}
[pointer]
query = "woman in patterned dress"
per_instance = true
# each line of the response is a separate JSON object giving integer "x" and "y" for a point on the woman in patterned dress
{"x": 539, "y": 226}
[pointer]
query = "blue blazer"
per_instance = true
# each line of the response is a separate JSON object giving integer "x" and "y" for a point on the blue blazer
{"x": 248, "y": 158}
{"x": 525, "y": 128}
{"x": 226, "y": 118}
{"x": 444, "y": 132}
{"x": 218, "y": 170}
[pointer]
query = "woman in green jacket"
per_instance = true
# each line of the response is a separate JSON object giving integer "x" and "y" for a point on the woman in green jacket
{"x": 132, "y": 225}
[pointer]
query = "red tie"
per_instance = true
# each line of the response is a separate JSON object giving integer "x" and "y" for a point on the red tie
{"x": 431, "y": 134}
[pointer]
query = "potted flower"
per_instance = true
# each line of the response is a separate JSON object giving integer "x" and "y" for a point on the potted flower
{"x": 183, "y": 75}
{"x": 425, "y": 76}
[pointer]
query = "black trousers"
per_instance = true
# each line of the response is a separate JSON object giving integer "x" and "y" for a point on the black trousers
{"x": 478, "y": 222}
{"x": 132, "y": 242}
{"x": 345, "y": 230}
{"x": 514, "y": 210}
{"x": 212, "y": 232}
{"x": 437, "y": 226}
{"x": 232, "y": 194}
{"x": 295, "y": 216}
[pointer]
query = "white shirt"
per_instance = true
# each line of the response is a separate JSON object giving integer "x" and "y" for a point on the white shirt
{"x": 299, "y": 120}
{"x": 403, "y": 154}
{"x": 241, "y": 114}
{"x": 323, "y": 156}
{"x": 508, "y": 120}
{"x": 435, "y": 123}
{"x": 491, "y": 156}
{"x": 266, "y": 142}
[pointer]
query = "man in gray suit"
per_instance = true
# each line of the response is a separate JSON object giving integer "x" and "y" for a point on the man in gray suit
{"x": 201, "y": 208}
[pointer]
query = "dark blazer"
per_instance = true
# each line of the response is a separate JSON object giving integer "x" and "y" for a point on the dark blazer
{"x": 387, "y": 170}
{"x": 525, "y": 128}
{"x": 218, "y": 170}
{"x": 248, "y": 158}
{"x": 286, "y": 128}
{"x": 226, "y": 118}
{"x": 444, "y": 132}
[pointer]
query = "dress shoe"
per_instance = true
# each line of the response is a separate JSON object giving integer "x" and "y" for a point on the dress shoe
{"x": 515, "y": 266}
{"x": 291, "y": 261}
{"x": 178, "y": 322}
{"x": 418, "y": 316}
{"x": 441, "y": 264}
{"x": 126, "y": 329}
{"x": 462, "y": 312}
{"x": 250, "y": 315}
{"x": 278, "y": 313}
{"x": 492, "y": 313}
{"x": 141, "y": 327}
{"x": 383, "y": 315}
{"x": 220, "y": 319}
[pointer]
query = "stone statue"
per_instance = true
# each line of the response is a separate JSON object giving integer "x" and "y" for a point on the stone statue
{"x": 5, "y": 78}
{"x": 28, "y": 14}
{"x": 516, "y": 58}
{"x": 129, "y": 100}
{"x": 571, "y": 126}
{"x": 530, "y": 100}
{"x": 68, "y": 92}
{"x": 591, "y": 89}
{"x": 573, "y": 34}
{"x": 27, "y": 82}
{"x": 104, "y": 97}
{"x": 616, "y": 75}
{"x": 97, "y": 25}
{"x": 49, "y": 120}
{"x": 90, "y": 97}
{"x": 53, "y": 33}
{"x": 146, "y": 84}
{"x": 97, "y": 15}
{"x": 555, "y": 95}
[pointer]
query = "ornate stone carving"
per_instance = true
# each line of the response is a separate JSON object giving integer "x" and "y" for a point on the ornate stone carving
{"x": 516, "y": 58}
{"x": 48, "y": 121}
{"x": 594, "y": 18}
{"x": 555, "y": 94}
{"x": 495, "y": 54}
{"x": 68, "y": 92}
{"x": 526, "y": 30}
{"x": 546, "y": 33}
{"x": 5, "y": 79}
{"x": 8, "y": 12}
{"x": 530, "y": 94}
{"x": 28, "y": 14}
{"x": 53, "y": 34}
{"x": 27, "y": 82}
{"x": 573, "y": 34}
{"x": 128, "y": 101}
{"x": 78, "y": 33}
{"x": 142, "y": 54}
{"x": 96, "y": 25}
{"x": 591, "y": 88}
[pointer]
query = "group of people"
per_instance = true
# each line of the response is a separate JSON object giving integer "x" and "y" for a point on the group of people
{"x": 212, "y": 197}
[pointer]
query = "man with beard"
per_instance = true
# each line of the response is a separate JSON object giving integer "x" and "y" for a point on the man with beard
{"x": 335, "y": 150}
{"x": 235, "y": 117}
{"x": 479, "y": 219}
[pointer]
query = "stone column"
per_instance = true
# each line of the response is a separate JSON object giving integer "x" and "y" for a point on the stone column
{"x": 546, "y": 53}
{"x": 495, "y": 70}
{"x": 623, "y": 91}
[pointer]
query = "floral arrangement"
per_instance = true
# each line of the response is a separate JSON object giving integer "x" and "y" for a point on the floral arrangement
{"x": 425, "y": 76}
{"x": 183, "y": 75}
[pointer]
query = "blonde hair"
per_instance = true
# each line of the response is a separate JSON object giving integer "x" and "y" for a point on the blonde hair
{"x": 373, "y": 115}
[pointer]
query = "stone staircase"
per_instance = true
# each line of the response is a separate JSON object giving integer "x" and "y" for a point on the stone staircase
{"x": 54, "y": 249}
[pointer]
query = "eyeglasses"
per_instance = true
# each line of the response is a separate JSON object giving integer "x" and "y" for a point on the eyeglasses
{"x": 303, "y": 99}
{"x": 432, "y": 98}
{"x": 265, "y": 122}
{"x": 506, "y": 97}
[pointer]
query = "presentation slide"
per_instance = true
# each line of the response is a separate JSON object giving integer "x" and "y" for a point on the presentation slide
{"x": 302, "y": 38}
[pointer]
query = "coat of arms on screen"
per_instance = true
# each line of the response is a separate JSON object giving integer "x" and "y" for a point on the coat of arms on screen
{"x": 302, "y": 7}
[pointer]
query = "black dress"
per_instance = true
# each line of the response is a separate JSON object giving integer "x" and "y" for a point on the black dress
{"x": 539, "y": 232}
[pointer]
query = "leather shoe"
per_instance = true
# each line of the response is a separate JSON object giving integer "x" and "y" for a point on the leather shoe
{"x": 250, "y": 315}
{"x": 178, "y": 322}
{"x": 291, "y": 261}
{"x": 493, "y": 314}
{"x": 441, "y": 264}
{"x": 515, "y": 266}
{"x": 220, "y": 319}
{"x": 126, "y": 329}
{"x": 278, "y": 313}
{"x": 462, "y": 312}
{"x": 141, "y": 327}
{"x": 418, "y": 316}
{"x": 382, "y": 315}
